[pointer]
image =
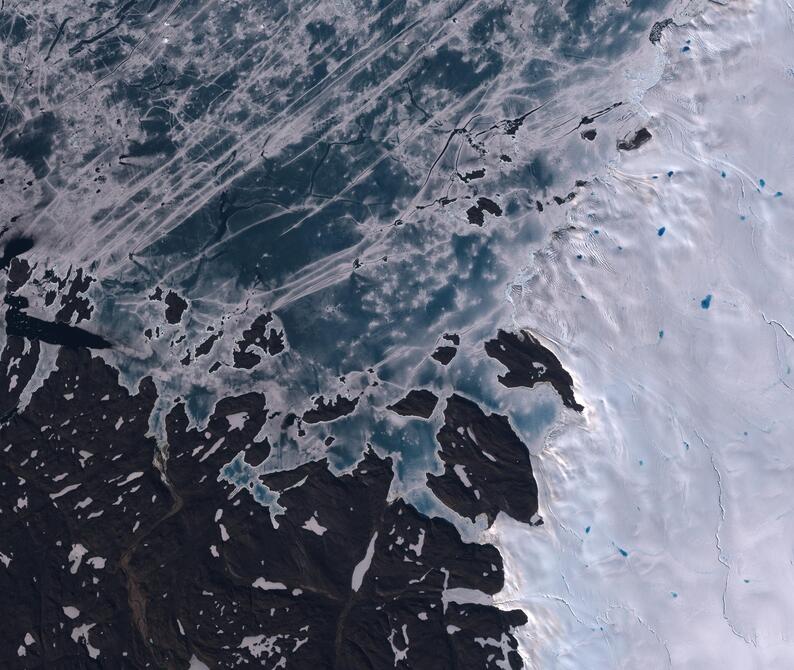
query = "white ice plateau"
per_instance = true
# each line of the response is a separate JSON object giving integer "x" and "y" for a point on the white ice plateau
{"x": 668, "y": 514}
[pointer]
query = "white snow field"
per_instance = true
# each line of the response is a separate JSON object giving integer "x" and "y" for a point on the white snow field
{"x": 682, "y": 467}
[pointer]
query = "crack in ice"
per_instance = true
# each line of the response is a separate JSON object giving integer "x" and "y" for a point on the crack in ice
{"x": 721, "y": 556}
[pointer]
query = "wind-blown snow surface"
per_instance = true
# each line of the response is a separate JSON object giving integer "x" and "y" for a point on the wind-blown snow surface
{"x": 668, "y": 506}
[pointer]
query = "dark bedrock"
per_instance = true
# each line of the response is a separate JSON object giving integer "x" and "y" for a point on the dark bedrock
{"x": 630, "y": 143}
{"x": 160, "y": 580}
{"x": 486, "y": 466}
{"x": 529, "y": 363}
{"x": 259, "y": 335}
{"x": 417, "y": 402}
{"x": 329, "y": 410}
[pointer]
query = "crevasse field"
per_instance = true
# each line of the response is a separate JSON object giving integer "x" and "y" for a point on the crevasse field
{"x": 669, "y": 518}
